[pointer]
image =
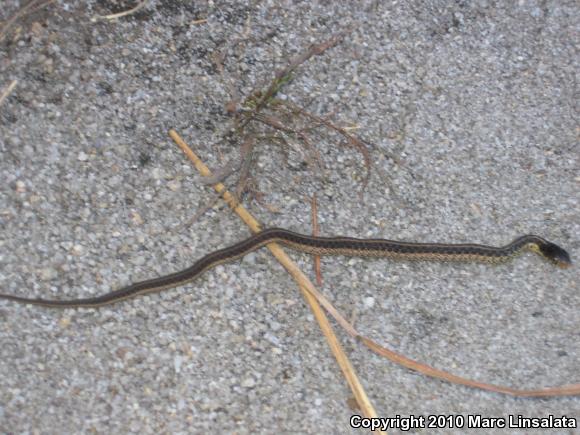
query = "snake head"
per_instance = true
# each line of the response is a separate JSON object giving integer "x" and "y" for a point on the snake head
{"x": 555, "y": 254}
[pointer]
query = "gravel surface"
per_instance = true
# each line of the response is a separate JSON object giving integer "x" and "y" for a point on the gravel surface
{"x": 476, "y": 100}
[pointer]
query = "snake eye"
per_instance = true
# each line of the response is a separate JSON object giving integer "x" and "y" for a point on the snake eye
{"x": 555, "y": 254}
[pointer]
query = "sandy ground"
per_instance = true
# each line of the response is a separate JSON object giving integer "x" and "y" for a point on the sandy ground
{"x": 476, "y": 101}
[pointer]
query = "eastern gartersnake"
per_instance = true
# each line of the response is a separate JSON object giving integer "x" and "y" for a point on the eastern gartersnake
{"x": 320, "y": 246}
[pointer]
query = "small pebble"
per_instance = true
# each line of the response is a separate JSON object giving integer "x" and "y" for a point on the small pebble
{"x": 64, "y": 322}
{"x": 20, "y": 187}
{"x": 174, "y": 185}
{"x": 47, "y": 273}
{"x": 77, "y": 250}
{"x": 136, "y": 218}
{"x": 369, "y": 302}
{"x": 249, "y": 382}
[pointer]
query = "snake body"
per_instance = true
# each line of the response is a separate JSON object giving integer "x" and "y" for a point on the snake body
{"x": 319, "y": 246}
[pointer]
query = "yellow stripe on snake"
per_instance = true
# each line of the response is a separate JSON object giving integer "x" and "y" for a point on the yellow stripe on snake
{"x": 320, "y": 246}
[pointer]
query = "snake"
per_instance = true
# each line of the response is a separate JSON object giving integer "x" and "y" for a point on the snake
{"x": 315, "y": 245}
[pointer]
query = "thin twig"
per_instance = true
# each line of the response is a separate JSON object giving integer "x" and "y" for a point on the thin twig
{"x": 131, "y": 11}
{"x": 352, "y": 140}
{"x": 246, "y": 158}
{"x": 203, "y": 210}
{"x": 315, "y": 232}
{"x": 285, "y": 73}
{"x": 8, "y": 91}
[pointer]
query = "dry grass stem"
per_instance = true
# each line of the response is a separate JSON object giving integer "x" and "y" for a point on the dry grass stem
{"x": 262, "y": 107}
{"x": 316, "y": 232}
{"x": 8, "y": 91}
{"x": 307, "y": 288}
{"x": 131, "y": 11}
